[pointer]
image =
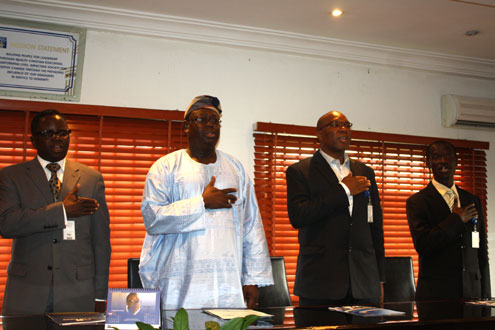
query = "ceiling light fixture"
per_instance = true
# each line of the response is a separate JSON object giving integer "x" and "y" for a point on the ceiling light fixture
{"x": 336, "y": 12}
{"x": 472, "y": 33}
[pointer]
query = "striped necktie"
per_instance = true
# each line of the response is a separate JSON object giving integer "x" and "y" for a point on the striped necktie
{"x": 449, "y": 198}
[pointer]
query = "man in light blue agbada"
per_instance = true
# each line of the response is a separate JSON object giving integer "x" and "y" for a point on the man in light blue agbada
{"x": 205, "y": 245}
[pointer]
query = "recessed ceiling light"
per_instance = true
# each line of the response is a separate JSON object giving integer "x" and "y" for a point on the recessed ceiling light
{"x": 336, "y": 12}
{"x": 472, "y": 33}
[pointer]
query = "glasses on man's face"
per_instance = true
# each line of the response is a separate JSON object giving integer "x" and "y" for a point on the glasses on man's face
{"x": 48, "y": 133}
{"x": 337, "y": 124}
{"x": 202, "y": 121}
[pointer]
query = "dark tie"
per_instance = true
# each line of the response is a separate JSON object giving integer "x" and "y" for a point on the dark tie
{"x": 54, "y": 182}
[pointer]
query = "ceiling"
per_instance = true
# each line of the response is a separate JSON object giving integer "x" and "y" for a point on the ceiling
{"x": 437, "y": 26}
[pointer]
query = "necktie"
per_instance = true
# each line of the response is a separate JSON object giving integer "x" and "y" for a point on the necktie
{"x": 450, "y": 198}
{"x": 54, "y": 182}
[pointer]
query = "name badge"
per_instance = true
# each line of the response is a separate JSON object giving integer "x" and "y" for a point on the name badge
{"x": 475, "y": 239}
{"x": 70, "y": 230}
{"x": 370, "y": 213}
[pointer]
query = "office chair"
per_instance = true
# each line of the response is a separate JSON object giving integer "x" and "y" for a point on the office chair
{"x": 399, "y": 285}
{"x": 133, "y": 279}
{"x": 276, "y": 295}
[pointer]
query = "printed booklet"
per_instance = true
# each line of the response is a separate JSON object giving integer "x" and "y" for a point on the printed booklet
{"x": 366, "y": 311}
{"x": 125, "y": 307}
{"x": 64, "y": 319}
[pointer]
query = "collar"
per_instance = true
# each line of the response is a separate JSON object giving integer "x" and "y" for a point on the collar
{"x": 335, "y": 161}
{"x": 44, "y": 162}
{"x": 442, "y": 189}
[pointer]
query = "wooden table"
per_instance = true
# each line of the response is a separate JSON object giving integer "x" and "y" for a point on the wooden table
{"x": 437, "y": 315}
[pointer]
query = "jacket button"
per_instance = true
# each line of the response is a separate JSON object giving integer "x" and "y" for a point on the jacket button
{"x": 49, "y": 267}
{"x": 54, "y": 241}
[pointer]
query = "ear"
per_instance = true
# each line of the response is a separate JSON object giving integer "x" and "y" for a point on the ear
{"x": 318, "y": 133}
{"x": 33, "y": 142}
{"x": 428, "y": 164}
{"x": 185, "y": 127}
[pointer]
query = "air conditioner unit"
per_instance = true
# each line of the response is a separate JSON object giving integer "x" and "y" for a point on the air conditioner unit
{"x": 465, "y": 110}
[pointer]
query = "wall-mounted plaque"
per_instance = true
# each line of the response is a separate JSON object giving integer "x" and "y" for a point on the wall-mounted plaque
{"x": 39, "y": 60}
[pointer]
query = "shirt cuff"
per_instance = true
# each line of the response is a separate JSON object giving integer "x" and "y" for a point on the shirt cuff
{"x": 347, "y": 191}
{"x": 65, "y": 215}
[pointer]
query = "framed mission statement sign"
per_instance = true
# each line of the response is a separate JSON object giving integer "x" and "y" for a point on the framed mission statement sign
{"x": 39, "y": 60}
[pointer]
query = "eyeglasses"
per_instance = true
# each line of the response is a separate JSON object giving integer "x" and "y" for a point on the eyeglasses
{"x": 337, "y": 124}
{"x": 48, "y": 133}
{"x": 203, "y": 121}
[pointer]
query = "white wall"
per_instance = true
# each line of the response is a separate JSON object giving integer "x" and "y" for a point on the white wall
{"x": 256, "y": 85}
{"x": 253, "y": 85}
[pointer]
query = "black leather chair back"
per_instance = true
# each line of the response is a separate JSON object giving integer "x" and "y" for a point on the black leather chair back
{"x": 133, "y": 279}
{"x": 399, "y": 285}
{"x": 276, "y": 295}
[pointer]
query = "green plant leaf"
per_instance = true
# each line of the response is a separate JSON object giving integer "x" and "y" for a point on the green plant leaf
{"x": 234, "y": 324}
{"x": 144, "y": 326}
{"x": 212, "y": 325}
{"x": 181, "y": 320}
{"x": 248, "y": 320}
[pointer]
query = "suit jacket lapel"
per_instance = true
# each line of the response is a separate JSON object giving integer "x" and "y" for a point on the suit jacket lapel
{"x": 36, "y": 173}
{"x": 320, "y": 167}
{"x": 71, "y": 177}
{"x": 465, "y": 198}
{"x": 356, "y": 170}
{"x": 436, "y": 199}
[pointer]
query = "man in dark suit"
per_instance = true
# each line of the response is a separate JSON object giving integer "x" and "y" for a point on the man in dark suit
{"x": 55, "y": 211}
{"x": 333, "y": 201}
{"x": 448, "y": 229}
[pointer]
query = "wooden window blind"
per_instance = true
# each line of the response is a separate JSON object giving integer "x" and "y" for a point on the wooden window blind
{"x": 114, "y": 141}
{"x": 399, "y": 165}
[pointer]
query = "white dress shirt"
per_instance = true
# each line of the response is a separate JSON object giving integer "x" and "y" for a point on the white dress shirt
{"x": 60, "y": 175}
{"x": 341, "y": 171}
{"x": 444, "y": 191}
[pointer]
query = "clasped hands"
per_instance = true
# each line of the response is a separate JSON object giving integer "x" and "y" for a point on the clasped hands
{"x": 76, "y": 206}
{"x": 356, "y": 184}
{"x": 215, "y": 198}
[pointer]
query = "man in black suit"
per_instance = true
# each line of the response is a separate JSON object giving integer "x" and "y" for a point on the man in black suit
{"x": 333, "y": 201}
{"x": 448, "y": 229}
{"x": 54, "y": 209}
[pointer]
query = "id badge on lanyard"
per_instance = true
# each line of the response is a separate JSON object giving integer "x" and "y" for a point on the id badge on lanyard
{"x": 475, "y": 235}
{"x": 370, "y": 206}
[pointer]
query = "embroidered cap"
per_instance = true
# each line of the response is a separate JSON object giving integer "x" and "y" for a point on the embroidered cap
{"x": 203, "y": 101}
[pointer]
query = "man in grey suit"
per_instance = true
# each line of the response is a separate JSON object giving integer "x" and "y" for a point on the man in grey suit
{"x": 333, "y": 201}
{"x": 56, "y": 213}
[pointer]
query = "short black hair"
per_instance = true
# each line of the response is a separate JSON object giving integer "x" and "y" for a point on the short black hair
{"x": 445, "y": 143}
{"x": 43, "y": 114}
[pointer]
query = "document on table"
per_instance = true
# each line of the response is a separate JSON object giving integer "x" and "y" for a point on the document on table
{"x": 490, "y": 303}
{"x": 228, "y": 314}
{"x": 366, "y": 311}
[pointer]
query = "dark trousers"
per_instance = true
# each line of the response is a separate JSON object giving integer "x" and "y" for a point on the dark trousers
{"x": 346, "y": 301}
